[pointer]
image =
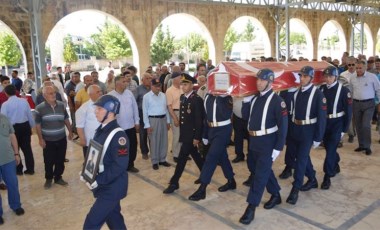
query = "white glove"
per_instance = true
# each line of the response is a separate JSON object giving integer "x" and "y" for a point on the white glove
{"x": 341, "y": 135}
{"x": 205, "y": 141}
{"x": 101, "y": 168}
{"x": 248, "y": 98}
{"x": 92, "y": 186}
{"x": 81, "y": 177}
{"x": 316, "y": 144}
{"x": 275, "y": 154}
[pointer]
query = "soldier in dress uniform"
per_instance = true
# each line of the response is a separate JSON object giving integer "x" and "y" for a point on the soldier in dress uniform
{"x": 339, "y": 112}
{"x": 309, "y": 122}
{"x": 267, "y": 126}
{"x": 190, "y": 129}
{"x": 111, "y": 182}
{"x": 218, "y": 116}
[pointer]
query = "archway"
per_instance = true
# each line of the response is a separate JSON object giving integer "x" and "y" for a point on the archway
{"x": 368, "y": 43}
{"x": 331, "y": 41}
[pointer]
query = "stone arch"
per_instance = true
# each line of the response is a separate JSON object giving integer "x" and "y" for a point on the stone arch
{"x": 339, "y": 48}
{"x": 206, "y": 33}
{"x": 135, "y": 52}
{"x": 263, "y": 32}
{"x": 10, "y": 31}
{"x": 309, "y": 52}
{"x": 377, "y": 46}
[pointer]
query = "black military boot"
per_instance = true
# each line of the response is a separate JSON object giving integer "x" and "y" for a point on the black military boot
{"x": 231, "y": 184}
{"x": 248, "y": 215}
{"x": 293, "y": 196}
{"x": 286, "y": 173}
{"x": 311, "y": 183}
{"x": 273, "y": 201}
{"x": 199, "y": 194}
{"x": 326, "y": 183}
{"x": 171, "y": 188}
{"x": 249, "y": 181}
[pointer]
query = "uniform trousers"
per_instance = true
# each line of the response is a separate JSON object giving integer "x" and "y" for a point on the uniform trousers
{"x": 186, "y": 149}
{"x": 143, "y": 135}
{"x": 219, "y": 138}
{"x": 54, "y": 158}
{"x": 176, "y": 145}
{"x": 362, "y": 112}
{"x": 10, "y": 178}
{"x": 23, "y": 134}
{"x": 105, "y": 211}
{"x": 240, "y": 132}
{"x": 331, "y": 140}
{"x": 132, "y": 137}
{"x": 290, "y": 156}
{"x": 158, "y": 140}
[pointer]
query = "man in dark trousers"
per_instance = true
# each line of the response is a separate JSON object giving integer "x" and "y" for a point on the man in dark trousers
{"x": 191, "y": 114}
{"x": 267, "y": 126}
{"x": 339, "y": 112}
{"x": 111, "y": 182}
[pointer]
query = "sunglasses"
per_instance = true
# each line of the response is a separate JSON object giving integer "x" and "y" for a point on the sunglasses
{"x": 351, "y": 65}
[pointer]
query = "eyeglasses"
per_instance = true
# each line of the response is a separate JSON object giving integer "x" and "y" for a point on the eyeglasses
{"x": 350, "y": 65}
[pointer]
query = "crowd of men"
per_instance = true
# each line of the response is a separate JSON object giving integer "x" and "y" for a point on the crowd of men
{"x": 202, "y": 124}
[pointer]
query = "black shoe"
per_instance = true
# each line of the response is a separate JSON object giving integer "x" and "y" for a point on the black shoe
{"x": 231, "y": 184}
{"x": 286, "y": 173}
{"x": 232, "y": 143}
{"x": 20, "y": 173}
{"x": 248, "y": 182}
{"x": 248, "y": 215}
{"x": 313, "y": 183}
{"x": 67, "y": 160}
{"x": 197, "y": 181}
{"x": 340, "y": 145}
{"x": 1, "y": 220}
{"x": 29, "y": 172}
{"x": 273, "y": 201}
{"x": 368, "y": 152}
{"x": 3, "y": 186}
{"x": 199, "y": 194}
{"x": 61, "y": 182}
{"x": 359, "y": 149}
{"x": 155, "y": 166}
{"x": 132, "y": 169}
{"x": 165, "y": 164}
{"x": 337, "y": 169}
{"x": 350, "y": 139}
{"x": 19, "y": 212}
{"x": 48, "y": 183}
{"x": 293, "y": 196}
{"x": 171, "y": 188}
{"x": 189, "y": 158}
{"x": 238, "y": 159}
{"x": 175, "y": 159}
{"x": 326, "y": 183}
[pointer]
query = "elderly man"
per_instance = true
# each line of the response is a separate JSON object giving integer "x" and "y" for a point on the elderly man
{"x": 86, "y": 121}
{"x": 82, "y": 96}
{"x": 51, "y": 119}
{"x": 128, "y": 117}
{"x": 141, "y": 90}
{"x": 364, "y": 88}
{"x": 18, "y": 112}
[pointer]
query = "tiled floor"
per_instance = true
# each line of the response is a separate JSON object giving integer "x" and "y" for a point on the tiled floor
{"x": 353, "y": 201}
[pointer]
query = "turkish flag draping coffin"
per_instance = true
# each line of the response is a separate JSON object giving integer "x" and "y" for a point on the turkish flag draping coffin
{"x": 239, "y": 78}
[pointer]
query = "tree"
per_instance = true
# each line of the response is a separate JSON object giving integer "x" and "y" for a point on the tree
{"x": 94, "y": 46}
{"x": 114, "y": 41}
{"x": 10, "y": 53}
{"x": 294, "y": 38}
{"x": 229, "y": 40}
{"x": 248, "y": 33}
{"x": 69, "y": 54}
{"x": 162, "y": 47}
{"x": 195, "y": 42}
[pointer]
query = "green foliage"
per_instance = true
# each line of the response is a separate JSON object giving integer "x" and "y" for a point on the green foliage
{"x": 69, "y": 54}
{"x": 10, "y": 53}
{"x": 47, "y": 52}
{"x": 94, "y": 47}
{"x": 162, "y": 47}
{"x": 114, "y": 41}
{"x": 230, "y": 38}
{"x": 248, "y": 33}
{"x": 294, "y": 38}
{"x": 196, "y": 42}
{"x": 357, "y": 41}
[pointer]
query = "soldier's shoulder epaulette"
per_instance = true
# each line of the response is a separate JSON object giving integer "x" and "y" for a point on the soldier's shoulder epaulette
{"x": 203, "y": 87}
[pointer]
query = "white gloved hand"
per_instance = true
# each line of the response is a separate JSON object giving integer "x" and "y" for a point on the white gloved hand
{"x": 81, "y": 177}
{"x": 248, "y": 98}
{"x": 275, "y": 154}
{"x": 341, "y": 135}
{"x": 205, "y": 141}
{"x": 101, "y": 168}
{"x": 316, "y": 144}
{"x": 92, "y": 186}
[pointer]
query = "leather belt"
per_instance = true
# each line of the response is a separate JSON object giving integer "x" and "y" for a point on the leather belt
{"x": 263, "y": 132}
{"x": 219, "y": 123}
{"x": 371, "y": 99}
{"x": 158, "y": 116}
{"x": 340, "y": 114}
{"x": 305, "y": 122}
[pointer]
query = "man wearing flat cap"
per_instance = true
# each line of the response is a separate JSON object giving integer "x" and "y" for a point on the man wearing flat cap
{"x": 173, "y": 94}
{"x": 190, "y": 129}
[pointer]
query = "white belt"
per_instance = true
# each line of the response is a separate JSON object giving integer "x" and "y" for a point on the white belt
{"x": 305, "y": 122}
{"x": 219, "y": 123}
{"x": 340, "y": 114}
{"x": 263, "y": 132}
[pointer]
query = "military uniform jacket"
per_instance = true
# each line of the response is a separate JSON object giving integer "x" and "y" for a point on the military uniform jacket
{"x": 113, "y": 181}
{"x": 317, "y": 110}
{"x": 344, "y": 104}
{"x": 191, "y": 118}
{"x": 277, "y": 115}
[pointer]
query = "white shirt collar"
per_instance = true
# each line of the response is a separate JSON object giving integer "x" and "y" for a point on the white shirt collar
{"x": 332, "y": 85}
{"x": 265, "y": 92}
{"x": 188, "y": 95}
{"x": 303, "y": 89}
